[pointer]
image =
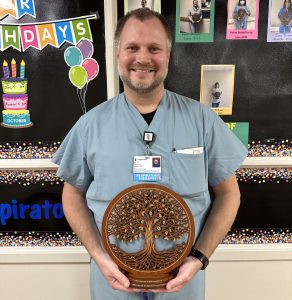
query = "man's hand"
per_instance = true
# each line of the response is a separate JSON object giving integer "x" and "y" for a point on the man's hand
{"x": 186, "y": 272}
{"x": 115, "y": 278}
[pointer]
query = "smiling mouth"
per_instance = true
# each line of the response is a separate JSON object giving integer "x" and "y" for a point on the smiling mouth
{"x": 142, "y": 70}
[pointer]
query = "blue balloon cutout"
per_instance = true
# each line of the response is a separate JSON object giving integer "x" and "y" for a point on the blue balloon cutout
{"x": 73, "y": 56}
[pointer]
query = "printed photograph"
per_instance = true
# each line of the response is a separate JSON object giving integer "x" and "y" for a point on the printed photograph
{"x": 134, "y": 4}
{"x": 280, "y": 21}
{"x": 194, "y": 16}
{"x": 217, "y": 87}
{"x": 194, "y": 21}
{"x": 242, "y": 14}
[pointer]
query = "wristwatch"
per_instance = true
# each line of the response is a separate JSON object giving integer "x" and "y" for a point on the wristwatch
{"x": 200, "y": 256}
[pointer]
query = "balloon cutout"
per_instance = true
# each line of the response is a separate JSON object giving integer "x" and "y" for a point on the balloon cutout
{"x": 86, "y": 48}
{"x": 78, "y": 76}
{"x": 92, "y": 68}
{"x": 83, "y": 68}
{"x": 73, "y": 56}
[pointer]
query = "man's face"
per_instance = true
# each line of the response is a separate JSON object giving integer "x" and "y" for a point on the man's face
{"x": 143, "y": 3}
{"x": 195, "y": 3}
{"x": 143, "y": 55}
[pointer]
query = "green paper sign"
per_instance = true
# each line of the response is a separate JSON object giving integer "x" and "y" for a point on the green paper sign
{"x": 11, "y": 37}
{"x": 241, "y": 130}
{"x": 81, "y": 30}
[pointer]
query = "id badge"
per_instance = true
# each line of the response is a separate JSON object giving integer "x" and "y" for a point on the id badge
{"x": 147, "y": 168}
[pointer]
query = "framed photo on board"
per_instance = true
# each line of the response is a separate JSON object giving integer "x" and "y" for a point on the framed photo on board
{"x": 217, "y": 87}
{"x": 134, "y": 4}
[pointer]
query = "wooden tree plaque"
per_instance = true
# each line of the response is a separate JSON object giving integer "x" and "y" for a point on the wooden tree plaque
{"x": 152, "y": 213}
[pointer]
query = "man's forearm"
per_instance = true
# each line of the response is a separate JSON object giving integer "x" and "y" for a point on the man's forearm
{"x": 220, "y": 220}
{"x": 81, "y": 221}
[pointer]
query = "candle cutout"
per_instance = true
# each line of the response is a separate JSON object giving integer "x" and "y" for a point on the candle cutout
{"x": 5, "y": 69}
{"x": 22, "y": 69}
{"x": 13, "y": 68}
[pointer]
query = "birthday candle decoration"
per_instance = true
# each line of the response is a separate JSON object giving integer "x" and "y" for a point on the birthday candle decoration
{"x": 5, "y": 69}
{"x": 13, "y": 68}
{"x": 22, "y": 69}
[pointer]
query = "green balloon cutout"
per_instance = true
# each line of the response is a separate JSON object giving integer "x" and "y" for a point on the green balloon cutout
{"x": 78, "y": 76}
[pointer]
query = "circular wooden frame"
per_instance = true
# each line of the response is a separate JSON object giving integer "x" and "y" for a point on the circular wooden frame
{"x": 157, "y": 277}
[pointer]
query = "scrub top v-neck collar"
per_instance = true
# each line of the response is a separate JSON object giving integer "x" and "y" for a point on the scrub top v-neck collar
{"x": 139, "y": 121}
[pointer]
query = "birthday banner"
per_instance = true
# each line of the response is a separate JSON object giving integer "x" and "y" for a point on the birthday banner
{"x": 39, "y": 35}
{"x": 17, "y": 8}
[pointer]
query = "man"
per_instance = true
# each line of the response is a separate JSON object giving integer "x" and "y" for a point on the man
{"x": 96, "y": 159}
{"x": 195, "y": 17}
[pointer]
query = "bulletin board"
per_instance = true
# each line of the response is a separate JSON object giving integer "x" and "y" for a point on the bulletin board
{"x": 262, "y": 97}
{"x": 52, "y": 99}
{"x": 30, "y": 201}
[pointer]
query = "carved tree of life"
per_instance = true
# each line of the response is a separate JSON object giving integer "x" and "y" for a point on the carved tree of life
{"x": 150, "y": 215}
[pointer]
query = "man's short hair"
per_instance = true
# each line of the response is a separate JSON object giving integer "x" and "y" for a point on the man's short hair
{"x": 142, "y": 14}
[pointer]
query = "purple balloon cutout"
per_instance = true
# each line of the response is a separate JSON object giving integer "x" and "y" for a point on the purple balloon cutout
{"x": 86, "y": 48}
{"x": 91, "y": 67}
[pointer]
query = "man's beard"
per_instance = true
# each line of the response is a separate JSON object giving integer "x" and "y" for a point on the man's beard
{"x": 142, "y": 88}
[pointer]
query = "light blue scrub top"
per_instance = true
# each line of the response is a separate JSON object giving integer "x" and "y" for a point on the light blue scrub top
{"x": 97, "y": 155}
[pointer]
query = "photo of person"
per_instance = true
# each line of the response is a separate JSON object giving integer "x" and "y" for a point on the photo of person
{"x": 194, "y": 21}
{"x": 216, "y": 95}
{"x": 217, "y": 87}
{"x": 285, "y": 17}
{"x": 134, "y": 4}
{"x": 156, "y": 162}
{"x": 242, "y": 19}
{"x": 195, "y": 17}
{"x": 280, "y": 21}
{"x": 240, "y": 15}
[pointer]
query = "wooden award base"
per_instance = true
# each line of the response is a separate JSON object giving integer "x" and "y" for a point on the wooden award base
{"x": 143, "y": 282}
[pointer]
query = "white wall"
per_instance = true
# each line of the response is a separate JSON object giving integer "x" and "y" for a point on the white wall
{"x": 235, "y": 272}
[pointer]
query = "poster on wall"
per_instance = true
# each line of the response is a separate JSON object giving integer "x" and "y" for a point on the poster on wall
{"x": 52, "y": 70}
{"x": 217, "y": 87}
{"x": 135, "y": 4}
{"x": 279, "y": 22}
{"x": 194, "y": 21}
{"x": 242, "y": 19}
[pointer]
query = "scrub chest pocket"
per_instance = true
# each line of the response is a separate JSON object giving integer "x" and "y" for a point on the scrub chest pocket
{"x": 188, "y": 176}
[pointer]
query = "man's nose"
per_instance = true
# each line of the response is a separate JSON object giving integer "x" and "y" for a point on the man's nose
{"x": 143, "y": 56}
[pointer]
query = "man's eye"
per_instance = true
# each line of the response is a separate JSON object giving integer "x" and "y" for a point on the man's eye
{"x": 132, "y": 48}
{"x": 155, "y": 49}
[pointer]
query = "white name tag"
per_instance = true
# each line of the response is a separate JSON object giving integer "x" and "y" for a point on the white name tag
{"x": 147, "y": 168}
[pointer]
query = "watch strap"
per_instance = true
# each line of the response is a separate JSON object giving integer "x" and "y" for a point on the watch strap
{"x": 200, "y": 256}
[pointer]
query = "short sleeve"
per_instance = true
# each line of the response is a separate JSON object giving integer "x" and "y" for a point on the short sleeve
{"x": 224, "y": 150}
{"x": 71, "y": 158}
